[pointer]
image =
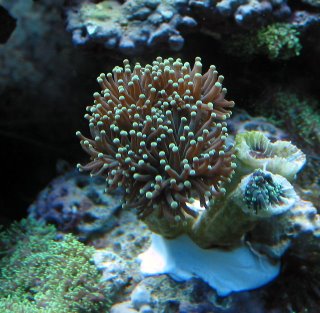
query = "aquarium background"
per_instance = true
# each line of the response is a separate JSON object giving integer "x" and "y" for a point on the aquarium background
{"x": 51, "y": 53}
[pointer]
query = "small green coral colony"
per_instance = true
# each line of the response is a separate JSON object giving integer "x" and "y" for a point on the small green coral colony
{"x": 278, "y": 41}
{"x": 160, "y": 132}
{"x": 262, "y": 192}
{"x": 42, "y": 274}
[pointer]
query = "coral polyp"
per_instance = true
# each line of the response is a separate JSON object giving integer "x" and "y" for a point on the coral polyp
{"x": 255, "y": 150}
{"x": 159, "y": 132}
{"x": 262, "y": 191}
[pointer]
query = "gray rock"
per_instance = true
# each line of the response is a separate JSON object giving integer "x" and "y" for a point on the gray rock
{"x": 124, "y": 307}
{"x": 77, "y": 203}
{"x": 140, "y": 296}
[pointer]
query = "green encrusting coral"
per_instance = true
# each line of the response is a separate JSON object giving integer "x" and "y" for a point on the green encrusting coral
{"x": 278, "y": 41}
{"x": 42, "y": 274}
{"x": 300, "y": 115}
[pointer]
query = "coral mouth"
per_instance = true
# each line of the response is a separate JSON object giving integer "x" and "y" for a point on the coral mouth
{"x": 258, "y": 154}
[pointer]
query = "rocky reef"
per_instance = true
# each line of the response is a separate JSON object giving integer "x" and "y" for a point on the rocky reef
{"x": 135, "y": 26}
{"x": 182, "y": 202}
{"x": 132, "y": 26}
{"x": 204, "y": 209}
{"x": 224, "y": 195}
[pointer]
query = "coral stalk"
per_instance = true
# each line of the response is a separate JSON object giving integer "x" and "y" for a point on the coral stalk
{"x": 259, "y": 195}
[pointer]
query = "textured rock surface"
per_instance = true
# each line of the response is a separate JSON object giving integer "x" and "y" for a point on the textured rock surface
{"x": 137, "y": 25}
{"x": 132, "y": 26}
{"x": 77, "y": 203}
{"x": 243, "y": 122}
{"x": 33, "y": 46}
{"x": 297, "y": 229}
{"x": 314, "y": 3}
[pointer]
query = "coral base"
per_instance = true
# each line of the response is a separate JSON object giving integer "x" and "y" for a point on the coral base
{"x": 225, "y": 271}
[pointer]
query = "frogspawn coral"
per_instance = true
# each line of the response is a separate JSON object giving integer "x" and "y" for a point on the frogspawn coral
{"x": 159, "y": 132}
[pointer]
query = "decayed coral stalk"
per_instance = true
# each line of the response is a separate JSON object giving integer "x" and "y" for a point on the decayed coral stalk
{"x": 158, "y": 131}
{"x": 259, "y": 195}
